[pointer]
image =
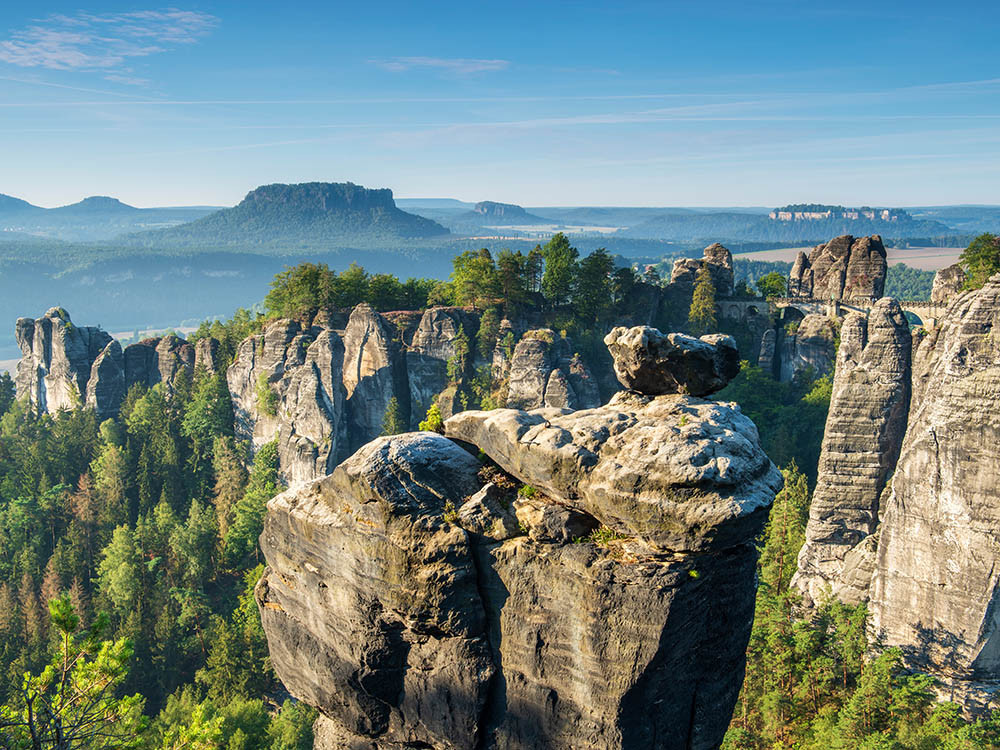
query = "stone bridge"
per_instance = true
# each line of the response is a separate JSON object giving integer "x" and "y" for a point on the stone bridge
{"x": 927, "y": 312}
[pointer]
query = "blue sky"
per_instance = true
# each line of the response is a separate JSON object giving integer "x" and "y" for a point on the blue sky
{"x": 543, "y": 103}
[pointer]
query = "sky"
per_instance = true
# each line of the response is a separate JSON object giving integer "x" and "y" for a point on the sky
{"x": 665, "y": 103}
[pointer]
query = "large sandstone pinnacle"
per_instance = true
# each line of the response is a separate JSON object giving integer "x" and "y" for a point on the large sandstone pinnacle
{"x": 419, "y": 598}
{"x": 861, "y": 442}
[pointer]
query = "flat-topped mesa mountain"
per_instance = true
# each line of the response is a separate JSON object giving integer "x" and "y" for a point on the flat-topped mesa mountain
{"x": 328, "y": 213}
{"x": 63, "y": 365}
{"x": 418, "y": 599}
{"x": 502, "y": 214}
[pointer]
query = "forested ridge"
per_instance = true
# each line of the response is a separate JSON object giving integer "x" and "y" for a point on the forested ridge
{"x": 128, "y": 548}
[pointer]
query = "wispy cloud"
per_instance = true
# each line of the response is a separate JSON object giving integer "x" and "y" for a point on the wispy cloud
{"x": 103, "y": 42}
{"x": 455, "y": 65}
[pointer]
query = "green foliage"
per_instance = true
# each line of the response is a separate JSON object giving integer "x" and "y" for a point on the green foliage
{"x": 594, "y": 290}
{"x": 790, "y": 417}
{"x": 772, "y": 285}
{"x": 433, "y": 422}
{"x": 73, "y": 701}
{"x": 980, "y": 260}
{"x": 267, "y": 398}
{"x": 701, "y": 316}
{"x": 474, "y": 279}
{"x": 240, "y": 543}
{"x": 392, "y": 422}
{"x": 559, "y": 278}
{"x": 905, "y": 283}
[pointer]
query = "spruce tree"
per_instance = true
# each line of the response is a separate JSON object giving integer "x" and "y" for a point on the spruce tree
{"x": 701, "y": 317}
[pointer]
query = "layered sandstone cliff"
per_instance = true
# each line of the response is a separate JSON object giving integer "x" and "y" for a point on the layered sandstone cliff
{"x": 64, "y": 365}
{"x": 419, "y": 600}
{"x": 864, "y": 431}
{"x": 842, "y": 268}
{"x": 936, "y": 584}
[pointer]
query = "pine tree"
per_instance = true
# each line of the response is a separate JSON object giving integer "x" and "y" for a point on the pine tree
{"x": 702, "y": 314}
{"x": 392, "y": 421}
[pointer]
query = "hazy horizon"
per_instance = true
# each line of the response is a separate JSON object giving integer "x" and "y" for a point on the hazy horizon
{"x": 639, "y": 104}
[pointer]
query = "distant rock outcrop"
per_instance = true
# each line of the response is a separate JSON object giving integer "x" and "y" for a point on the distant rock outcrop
{"x": 419, "y": 603}
{"x": 720, "y": 264}
{"x": 948, "y": 282}
{"x": 935, "y": 591}
{"x": 433, "y": 345}
{"x": 56, "y": 360}
{"x": 374, "y": 374}
{"x": 544, "y": 372}
{"x": 864, "y": 431}
{"x": 158, "y": 360}
{"x": 843, "y": 268}
{"x": 811, "y": 347}
{"x": 63, "y": 365}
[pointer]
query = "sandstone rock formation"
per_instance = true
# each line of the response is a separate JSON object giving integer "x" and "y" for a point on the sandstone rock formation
{"x": 948, "y": 283}
{"x": 56, "y": 359}
{"x": 63, "y": 365}
{"x": 843, "y": 268}
{"x": 286, "y": 384}
{"x": 543, "y": 372}
{"x": 651, "y": 362}
{"x": 158, "y": 360}
{"x": 935, "y": 589}
{"x": 811, "y": 347}
{"x": 374, "y": 374}
{"x": 720, "y": 264}
{"x": 864, "y": 431}
{"x": 419, "y": 601}
{"x": 766, "y": 357}
{"x": 432, "y": 346}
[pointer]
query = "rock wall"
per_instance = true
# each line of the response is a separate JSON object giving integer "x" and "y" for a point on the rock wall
{"x": 948, "y": 283}
{"x": 287, "y": 384}
{"x": 936, "y": 587}
{"x": 418, "y": 600}
{"x": 544, "y": 371}
{"x": 63, "y": 365}
{"x": 864, "y": 432}
{"x": 842, "y": 268}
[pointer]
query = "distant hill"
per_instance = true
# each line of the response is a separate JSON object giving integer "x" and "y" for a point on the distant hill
{"x": 491, "y": 213}
{"x": 96, "y": 204}
{"x": 313, "y": 214}
{"x": 95, "y": 219}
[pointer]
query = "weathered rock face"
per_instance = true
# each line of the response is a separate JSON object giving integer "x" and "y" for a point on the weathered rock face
{"x": 419, "y": 602}
{"x": 206, "y": 355}
{"x": 64, "y": 365}
{"x": 864, "y": 432}
{"x": 542, "y": 372}
{"x": 374, "y": 374}
{"x": 432, "y": 346}
{"x": 765, "y": 360}
{"x": 651, "y": 362}
{"x": 158, "y": 360}
{"x": 948, "y": 283}
{"x": 843, "y": 268}
{"x": 935, "y": 589}
{"x": 811, "y": 347}
{"x": 720, "y": 264}
{"x": 286, "y": 384}
{"x": 56, "y": 359}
